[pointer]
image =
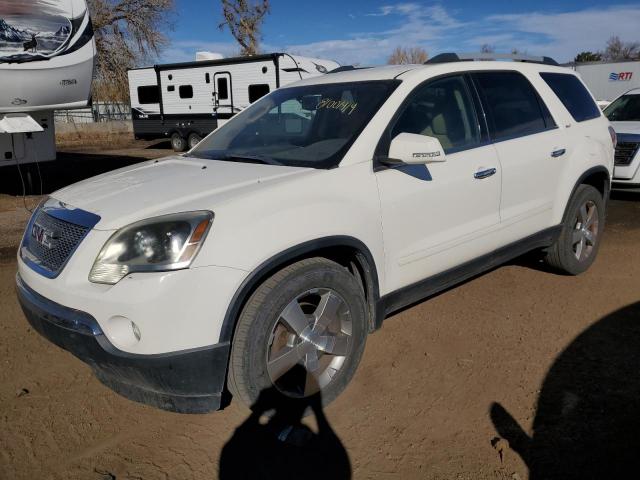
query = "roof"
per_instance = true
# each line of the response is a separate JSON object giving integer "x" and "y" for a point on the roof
{"x": 403, "y": 72}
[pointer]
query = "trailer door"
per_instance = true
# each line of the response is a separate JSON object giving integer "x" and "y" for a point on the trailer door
{"x": 223, "y": 95}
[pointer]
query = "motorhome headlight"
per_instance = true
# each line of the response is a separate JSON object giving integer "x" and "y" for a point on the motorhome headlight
{"x": 158, "y": 244}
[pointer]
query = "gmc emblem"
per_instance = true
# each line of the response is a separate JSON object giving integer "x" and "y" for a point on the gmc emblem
{"x": 43, "y": 236}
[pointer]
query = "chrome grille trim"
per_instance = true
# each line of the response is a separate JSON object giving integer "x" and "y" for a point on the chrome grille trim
{"x": 67, "y": 226}
{"x": 626, "y": 152}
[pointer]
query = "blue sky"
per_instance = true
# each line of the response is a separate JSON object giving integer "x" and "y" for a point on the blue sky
{"x": 365, "y": 32}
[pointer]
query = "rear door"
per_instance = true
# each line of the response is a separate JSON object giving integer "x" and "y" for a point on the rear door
{"x": 440, "y": 215}
{"x": 531, "y": 150}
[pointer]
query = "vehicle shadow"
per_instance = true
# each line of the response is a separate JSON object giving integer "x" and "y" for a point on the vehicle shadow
{"x": 284, "y": 447}
{"x": 70, "y": 167}
{"x": 587, "y": 422}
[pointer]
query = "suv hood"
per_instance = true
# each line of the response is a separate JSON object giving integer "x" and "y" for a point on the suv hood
{"x": 169, "y": 185}
{"x": 626, "y": 127}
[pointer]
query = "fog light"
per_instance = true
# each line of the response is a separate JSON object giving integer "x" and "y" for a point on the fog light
{"x": 122, "y": 332}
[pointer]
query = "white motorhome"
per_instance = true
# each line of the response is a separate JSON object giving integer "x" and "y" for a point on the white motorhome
{"x": 187, "y": 101}
{"x": 47, "y": 51}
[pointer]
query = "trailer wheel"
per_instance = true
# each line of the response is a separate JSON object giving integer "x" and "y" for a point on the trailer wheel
{"x": 194, "y": 139}
{"x": 178, "y": 143}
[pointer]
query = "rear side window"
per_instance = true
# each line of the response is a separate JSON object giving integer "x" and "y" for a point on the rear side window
{"x": 257, "y": 91}
{"x": 185, "y": 91}
{"x": 573, "y": 95}
{"x": 514, "y": 108}
{"x": 148, "y": 94}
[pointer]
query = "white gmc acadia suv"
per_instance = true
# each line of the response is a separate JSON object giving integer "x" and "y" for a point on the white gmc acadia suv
{"x": 624, "y": 114}
{"x": 264, "y": 256}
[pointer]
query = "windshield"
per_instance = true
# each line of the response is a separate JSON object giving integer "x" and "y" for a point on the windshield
{"x": 624, "y": 109}
{"x": 309, "y": 126}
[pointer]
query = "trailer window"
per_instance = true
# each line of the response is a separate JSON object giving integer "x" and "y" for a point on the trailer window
{"x": 148, "y": 94}
{"x": 207, "y": 77}
{"x": 185, "y": 91}
{"x": 257, "y": 91}
{"x": 222, "y": 88}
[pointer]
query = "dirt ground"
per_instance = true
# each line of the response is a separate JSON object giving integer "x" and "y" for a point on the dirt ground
{"x": 519, "y": 373}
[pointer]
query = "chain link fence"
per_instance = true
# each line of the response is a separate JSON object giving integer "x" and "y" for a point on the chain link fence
{"x": 98, "y": 112}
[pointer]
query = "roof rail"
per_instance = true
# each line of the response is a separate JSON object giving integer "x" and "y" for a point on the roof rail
{"x": 346, "y": 68}
{"x": 467, "y": 57}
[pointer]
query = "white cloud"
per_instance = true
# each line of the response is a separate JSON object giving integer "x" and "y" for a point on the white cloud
{"x": 563, "y": 35}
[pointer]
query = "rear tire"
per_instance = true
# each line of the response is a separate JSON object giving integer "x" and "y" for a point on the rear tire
{"x": 178, "y": 143}
{"x": 194, "y": 139}
{"x": 303, "y": 331}
{"x": 578, "y": 244}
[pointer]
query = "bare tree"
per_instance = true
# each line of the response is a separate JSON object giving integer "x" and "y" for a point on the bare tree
{"x": 244, "y": 19}
{"x": 403, "y": 56}
{"x": 127, "y": 33}
{"x": 618, "y": 50}
{"x": 588, "y": 57}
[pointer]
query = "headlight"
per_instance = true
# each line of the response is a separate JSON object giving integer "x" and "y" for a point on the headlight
{"x": 158, "y": 244}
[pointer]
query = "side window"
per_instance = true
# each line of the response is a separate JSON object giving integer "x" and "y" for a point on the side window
{"x": 185, "y": 91}
{"x": 257, "y": 91}
{"x": 148, "y": 94}
{"x": 222, "y": 87}
{"x": 514, "y": 108}
{"x": 573, "y": 95}
{"x": 442, "y": 109}
{"x": 207, "y": 77}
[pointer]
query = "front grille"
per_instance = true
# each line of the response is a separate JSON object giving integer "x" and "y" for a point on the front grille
{"x": 64, "y": 239}
{"x": 625, "y": 152}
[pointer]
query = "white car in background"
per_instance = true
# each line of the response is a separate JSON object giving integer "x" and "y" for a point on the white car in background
{"x": 624, "y": 115}
{"x": 264, "y": 256}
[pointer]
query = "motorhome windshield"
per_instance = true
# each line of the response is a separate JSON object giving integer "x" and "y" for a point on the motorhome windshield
{"x": 624, "y": 109}
{"x": 309, "y": 126}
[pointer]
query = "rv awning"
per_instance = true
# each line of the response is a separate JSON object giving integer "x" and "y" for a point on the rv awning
{"x": 18, "y": 123}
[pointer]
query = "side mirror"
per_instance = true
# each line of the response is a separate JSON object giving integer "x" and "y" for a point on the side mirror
{"x": 413, "y": 149}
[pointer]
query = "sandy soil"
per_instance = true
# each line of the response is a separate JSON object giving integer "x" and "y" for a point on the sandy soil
{"x": 439, "y": 394}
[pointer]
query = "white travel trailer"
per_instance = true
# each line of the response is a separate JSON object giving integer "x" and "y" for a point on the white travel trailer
{"x": 187, "y": 101}
{"x": 47, "y": 51}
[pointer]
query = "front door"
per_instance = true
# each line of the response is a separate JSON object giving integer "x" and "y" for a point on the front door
{"x": 439, "y": 215}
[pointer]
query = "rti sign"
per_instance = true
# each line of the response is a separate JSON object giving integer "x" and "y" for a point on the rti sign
{"x": 620, "y": 77}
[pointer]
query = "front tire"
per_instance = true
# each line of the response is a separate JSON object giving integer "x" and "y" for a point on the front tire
{"x": 178, "y": 143}
{"x": 578, "y": 244}
{"x": 303, "y": 331}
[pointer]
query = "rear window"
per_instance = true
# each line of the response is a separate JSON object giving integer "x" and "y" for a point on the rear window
{"x": 573, "y": 95}
{"x": 148, "y": 94}
{"x": 185, "y": 91}
{"x": 514, "y": 108}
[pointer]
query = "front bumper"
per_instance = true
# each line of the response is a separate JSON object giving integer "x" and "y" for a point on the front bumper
{"x": 188, "y": 381}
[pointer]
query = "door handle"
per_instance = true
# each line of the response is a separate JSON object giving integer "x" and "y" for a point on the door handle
{"x": 486, "y": 173}
{"x": 558, "y": 153}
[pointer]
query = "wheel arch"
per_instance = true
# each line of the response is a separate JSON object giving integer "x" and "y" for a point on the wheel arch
{"x": 347, "y": 251}
{"x": 598, "y": 177}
